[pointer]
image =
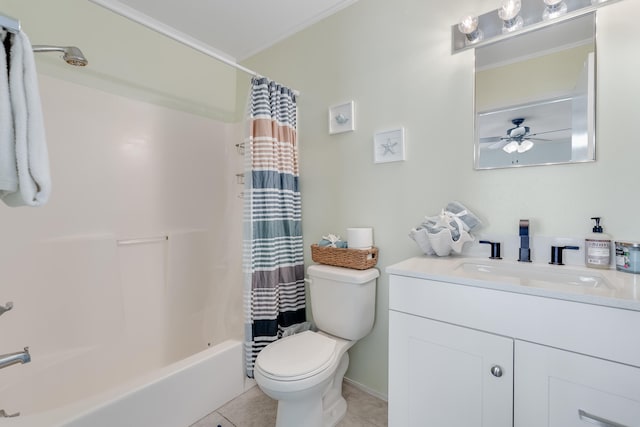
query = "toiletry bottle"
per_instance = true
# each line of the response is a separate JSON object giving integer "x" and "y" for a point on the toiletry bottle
{"x": 597, "y": 247}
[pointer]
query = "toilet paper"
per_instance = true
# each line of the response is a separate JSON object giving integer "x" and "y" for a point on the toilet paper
{"x": 360, "y": 238}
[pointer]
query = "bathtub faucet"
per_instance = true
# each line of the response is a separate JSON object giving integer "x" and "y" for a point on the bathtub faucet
{"x": 4, "y": 414}
{"x": 13, "y": 358}
{"x": 3, "y": 308}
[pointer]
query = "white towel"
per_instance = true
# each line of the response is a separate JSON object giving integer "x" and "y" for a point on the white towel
{"x": 32, "y": 158}
{"x": 8, "y": 168}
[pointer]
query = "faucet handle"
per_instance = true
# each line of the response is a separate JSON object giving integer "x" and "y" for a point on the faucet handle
{"x": 495, "y": 249}
{"x": 556, "y": 253}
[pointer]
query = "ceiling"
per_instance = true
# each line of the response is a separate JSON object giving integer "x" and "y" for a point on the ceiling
{"x": 234, "y": 29}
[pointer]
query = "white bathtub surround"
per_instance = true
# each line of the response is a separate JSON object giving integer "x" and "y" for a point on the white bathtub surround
{"x": 121, "y": 313}
{"x": 32, "y": 159}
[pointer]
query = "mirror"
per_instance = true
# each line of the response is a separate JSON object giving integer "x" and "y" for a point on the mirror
{"x": 535, "y": 97}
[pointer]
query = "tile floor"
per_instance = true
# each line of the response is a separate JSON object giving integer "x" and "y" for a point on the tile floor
{"x": 255, "y": 409}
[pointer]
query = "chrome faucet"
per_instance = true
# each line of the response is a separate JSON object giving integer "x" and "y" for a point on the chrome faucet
{"x": 525, "y": 252}
{"x": 13, "y": 358}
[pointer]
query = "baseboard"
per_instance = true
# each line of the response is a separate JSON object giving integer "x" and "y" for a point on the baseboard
{"x": 367, "y": 389}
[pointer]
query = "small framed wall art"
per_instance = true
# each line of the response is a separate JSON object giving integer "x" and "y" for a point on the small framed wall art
{"x": 342, "y": 118}
{"x": 388, "y": 146}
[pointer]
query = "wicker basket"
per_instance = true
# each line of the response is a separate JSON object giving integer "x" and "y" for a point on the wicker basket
{"x": 359, "y": 259}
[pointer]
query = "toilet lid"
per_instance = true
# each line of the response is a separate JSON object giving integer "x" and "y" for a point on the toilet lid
{"x": 297, "y": 356}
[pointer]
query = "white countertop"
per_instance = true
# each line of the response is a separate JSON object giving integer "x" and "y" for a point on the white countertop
{"x": 610, "y": 288}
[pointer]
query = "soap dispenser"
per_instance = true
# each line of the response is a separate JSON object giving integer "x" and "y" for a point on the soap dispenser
{"x": 597, "y": 247}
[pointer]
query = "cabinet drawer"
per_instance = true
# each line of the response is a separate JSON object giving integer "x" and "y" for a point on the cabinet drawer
{"x": 558, "y": 388}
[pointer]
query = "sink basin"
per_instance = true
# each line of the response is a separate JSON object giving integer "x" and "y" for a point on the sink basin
{"x": 534, "y": 274}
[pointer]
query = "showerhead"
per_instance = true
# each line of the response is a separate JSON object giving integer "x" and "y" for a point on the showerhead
{"x": 71, "y": 54}
{"x": 74, "y": 56}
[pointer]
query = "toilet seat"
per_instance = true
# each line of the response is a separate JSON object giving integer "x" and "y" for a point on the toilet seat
{"x": 297, "y": 357}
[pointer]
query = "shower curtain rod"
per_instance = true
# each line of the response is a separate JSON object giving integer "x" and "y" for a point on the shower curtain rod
{"x": 10, "y": 24}
{"x": 231, "y": 63}
{"x": 145, "y": 20}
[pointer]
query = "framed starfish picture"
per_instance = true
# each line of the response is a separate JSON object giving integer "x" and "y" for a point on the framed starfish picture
{"x": 388, "y": 146}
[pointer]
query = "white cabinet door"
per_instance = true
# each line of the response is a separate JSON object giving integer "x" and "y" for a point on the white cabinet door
{"x": 557, "y": 388}
{"x": 440, "y": 375}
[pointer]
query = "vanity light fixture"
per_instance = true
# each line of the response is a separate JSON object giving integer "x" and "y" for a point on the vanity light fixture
{"x": 509, "y": 13}
{"x": 469, "y": 27}
{"x": 516, "y": 17}
{"x": 553, "y": 9}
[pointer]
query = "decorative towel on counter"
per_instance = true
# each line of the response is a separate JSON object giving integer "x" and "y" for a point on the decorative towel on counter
{"x": 8, "y": 169}
{"x": 32, "y": 158}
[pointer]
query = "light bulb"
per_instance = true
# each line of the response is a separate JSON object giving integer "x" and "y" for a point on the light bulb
{"x": 524, "y": 146}
{"x": 468, "y": 24}
{"x": 553, "y": 9}
{"x": 509, "y": 9}
{"x": 469, "y": 27}
{"x": 511, "y": 21}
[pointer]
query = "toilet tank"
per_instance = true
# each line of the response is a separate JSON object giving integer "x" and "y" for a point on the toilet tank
{"x": 343, "y": 300}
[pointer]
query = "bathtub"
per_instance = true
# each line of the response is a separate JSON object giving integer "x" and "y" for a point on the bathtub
{"x": 119, "y": 335}
{"x": 174, "y": 396}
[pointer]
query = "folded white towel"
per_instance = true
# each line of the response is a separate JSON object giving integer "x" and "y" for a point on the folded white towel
{"x": 8, "y": 168}
{"x": 32, "y": 158}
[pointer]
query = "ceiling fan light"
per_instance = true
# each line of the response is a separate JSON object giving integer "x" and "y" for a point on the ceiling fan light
{"x": 525, "y": 146}
{"x": 511, "y": 147}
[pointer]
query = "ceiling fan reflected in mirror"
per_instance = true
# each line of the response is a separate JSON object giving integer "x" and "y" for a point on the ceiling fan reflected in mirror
{"x": 518, "y": 138}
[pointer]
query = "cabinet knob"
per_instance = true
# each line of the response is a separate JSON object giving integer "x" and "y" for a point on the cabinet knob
{"x": 496, "y": 371}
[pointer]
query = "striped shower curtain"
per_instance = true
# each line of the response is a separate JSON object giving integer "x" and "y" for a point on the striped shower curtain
{"x": 273, "y": 251}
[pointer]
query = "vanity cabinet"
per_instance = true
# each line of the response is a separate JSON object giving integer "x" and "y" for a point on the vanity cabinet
{"x": 467, "y": 356}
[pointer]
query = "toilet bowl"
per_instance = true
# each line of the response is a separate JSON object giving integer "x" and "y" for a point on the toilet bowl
{"x": 304, "y": 372}
{"x": 299, "y": 372}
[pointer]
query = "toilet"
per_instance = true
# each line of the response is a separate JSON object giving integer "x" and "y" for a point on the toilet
{"x": 304, "y": 372}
